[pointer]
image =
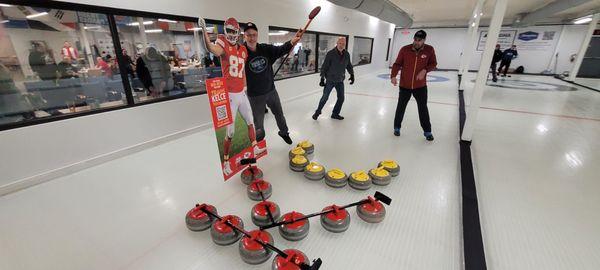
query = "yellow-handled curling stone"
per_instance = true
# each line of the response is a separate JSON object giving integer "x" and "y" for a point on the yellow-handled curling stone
{"x": 298, "y": 163}
{"x": 297, "y": 151}
{"x": 390, "y": 166}
{"x": 222, "y": 234}
{"x": 336, "y": 178}
{"x": 197, "y": 220}
{"x": 251, "y": 251}
{"x": 360, "y": 180}
{"x": 307, "y": 146}
{"x": 314, "y": 171}
{"x": 380, "y": 176}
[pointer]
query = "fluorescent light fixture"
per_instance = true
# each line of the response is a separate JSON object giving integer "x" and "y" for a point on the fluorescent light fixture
{"x": 91, "y": 27}
{"x": 168, "y": 21}
{"x": 194, "y": 29}
{"x": 280, "y": 33}
{"x": 36, "y": 15}
{"x": 137, "y": 23}
{"x": 4, "y": 21}
{"x": 5, "y": 5}
{"x": 473, "y": 25}
{"x": 154, "y": 31}
{"x": 583, "y": 20}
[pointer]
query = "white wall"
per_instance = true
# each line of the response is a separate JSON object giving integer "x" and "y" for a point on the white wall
{"x": 448, "y": 43}
{"x": 30, "y": 154}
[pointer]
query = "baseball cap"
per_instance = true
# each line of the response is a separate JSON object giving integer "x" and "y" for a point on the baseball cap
{"x": 420, "y": 34}
{"x": 250, "y": 25}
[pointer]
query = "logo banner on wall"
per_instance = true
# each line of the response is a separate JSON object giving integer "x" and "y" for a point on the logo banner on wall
{"x": 240, "y": 146}
{"x": 536, "y": 40}
{"x": 506, "y": 38}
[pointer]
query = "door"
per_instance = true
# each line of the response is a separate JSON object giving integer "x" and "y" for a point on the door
{"x": 591, "y": 60}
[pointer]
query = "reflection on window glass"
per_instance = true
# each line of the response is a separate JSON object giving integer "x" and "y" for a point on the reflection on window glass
{"x": 54, "y": 62}
{"x": 163, "y": 57}
{"x": 361, "y": 51}
{"x": 326, "y": 44}
{"x": 302, "y": 58}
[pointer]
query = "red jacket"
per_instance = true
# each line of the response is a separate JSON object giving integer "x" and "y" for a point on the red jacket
{"x": 411, "y": 62}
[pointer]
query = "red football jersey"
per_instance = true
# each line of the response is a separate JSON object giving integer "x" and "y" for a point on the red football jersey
{"x": 233, "y": 62}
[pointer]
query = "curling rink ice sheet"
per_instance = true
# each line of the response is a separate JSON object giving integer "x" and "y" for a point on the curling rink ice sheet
{"x": 535, "y": 156}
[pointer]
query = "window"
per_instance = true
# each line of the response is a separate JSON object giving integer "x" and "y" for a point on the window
{"x": 162, "y": 56}
{"x": 326, "y": 43}
{"x": 362, "y": 51}
{"x": 49, "y": 63}
{"x": 302, "y": 58}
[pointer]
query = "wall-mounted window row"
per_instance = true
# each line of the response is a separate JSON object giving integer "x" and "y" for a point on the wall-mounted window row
{"x": 362, "y": 50}
{"x": 307, "y": 56}
{"x": 57, "y": 63}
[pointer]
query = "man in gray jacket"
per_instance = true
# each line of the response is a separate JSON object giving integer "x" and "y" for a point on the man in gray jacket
{"x": 337, "y": 61}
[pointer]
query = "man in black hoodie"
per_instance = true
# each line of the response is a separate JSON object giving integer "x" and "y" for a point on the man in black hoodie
{"x": 497, "y": 57}
{"x": 507, "y": 57}
{"x": 261, "y": 83}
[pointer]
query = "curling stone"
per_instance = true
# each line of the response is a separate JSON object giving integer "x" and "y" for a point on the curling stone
{"x": 250, "y": 174}
{"x": 258, "y": 186}
{"x": 293, "y": 261}
{"x": 360, "y": 180}
{"x": 294, "y": 231}
{"x": 372, "y": 212}
{"x": 390, "y": 166}
{"x": 380, "y": 176}
{"x": 336, "y": 178}
{"x": 314, "y": 171}
{"x": 337, "y": 221}
{"x": 298, "y": 163}
{"x": 260, "y": 216}
{"x": 224, "y": 235}
{"x": 297, "y": 151}
{"x": 307, "y": 146}
{"x": 253, "y": 252}
{"x": 197, "y": 220}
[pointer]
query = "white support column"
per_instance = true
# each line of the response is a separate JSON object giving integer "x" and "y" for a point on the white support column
{"x": 584, "y": 46}
{"x": 143, "y": 32}
{"x": 465, "y": 58}
{"x": 484, "y": 68}
{"x": 86, "y": 44}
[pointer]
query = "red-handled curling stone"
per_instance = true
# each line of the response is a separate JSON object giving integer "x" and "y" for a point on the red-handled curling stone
{"x": 258, "y": 186}
{"x": 197, "y": 220}
{"x": 337, "y": 221}
{"x": 260, "y": 215}
{"x": 372, "y": 211}
{"x": 295, "y": 258}
{"x": 251, "y": 251}
{"x": 295, "y": 231}
{"x": 222, "y": 234}
{"x": 250, "y": 174}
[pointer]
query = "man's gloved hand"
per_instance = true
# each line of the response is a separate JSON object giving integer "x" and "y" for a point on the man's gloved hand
{"x": 351, "y": 79}
{"x": 322, "y": 83}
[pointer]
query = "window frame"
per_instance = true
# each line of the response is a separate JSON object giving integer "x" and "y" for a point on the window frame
{"x": 110, "y": 13}
{"x": 370, "y": 53}
{"x": 317, "y": 34}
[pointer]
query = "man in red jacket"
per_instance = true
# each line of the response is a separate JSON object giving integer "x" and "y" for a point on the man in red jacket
{"x": 415, "y": 60}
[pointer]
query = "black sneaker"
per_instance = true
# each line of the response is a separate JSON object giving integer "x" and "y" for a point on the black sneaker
{"x": 428, "y": 136}
{"x": 316, "y": 115}
{"x": 396, "y": 131}
{"x": 285, "y": 137}
{"x": 338, "y": 117}
{"x": 495, "y": 80}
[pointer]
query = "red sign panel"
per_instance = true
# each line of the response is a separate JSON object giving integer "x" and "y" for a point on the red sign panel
{"x": 219, "y": 102}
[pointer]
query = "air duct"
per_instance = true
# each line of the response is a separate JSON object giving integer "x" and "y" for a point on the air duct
{"x": 547, "y": 11}
{"x": 381, "y": 9}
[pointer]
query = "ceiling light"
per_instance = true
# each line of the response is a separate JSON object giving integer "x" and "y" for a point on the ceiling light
{"x": 168, "y": 21}
{"x": 36, "y": 15}
{"x": 5, "y": 5}
{"x": 154, "y": 31}
{"x": 4, "y": 21}
{"x": 137, "y": 23}
{"x": 583, "y": 20}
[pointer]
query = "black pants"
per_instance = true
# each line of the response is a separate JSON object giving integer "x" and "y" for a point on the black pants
{"x": 339, "y": 89}
{"x": 504, "y": 64}
{"x": 420, "y": 95}
{"x": 258, "y": 104}
{"x": 493, "y": 67}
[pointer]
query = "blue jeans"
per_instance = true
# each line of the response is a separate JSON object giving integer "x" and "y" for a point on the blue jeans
{"x": 339, "y": 89}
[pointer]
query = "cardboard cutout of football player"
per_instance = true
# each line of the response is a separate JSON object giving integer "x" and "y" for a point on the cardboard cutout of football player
{"x": 233, "y": 60}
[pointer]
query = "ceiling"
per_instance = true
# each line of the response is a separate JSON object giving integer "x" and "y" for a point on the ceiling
{"x": 458, "y": 12}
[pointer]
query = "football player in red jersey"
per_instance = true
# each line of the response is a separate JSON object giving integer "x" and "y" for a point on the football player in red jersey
{"x": 233, "y": 61}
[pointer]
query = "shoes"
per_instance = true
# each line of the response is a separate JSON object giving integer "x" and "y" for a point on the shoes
{"x": 285, "y": 137}
{"x": 337, "y": 116}
{"x": 428, "y": 136}
{"x": 258, "y": 150}
{"x": 397, "y": 132}
{"x": 316, "y": 115}
{"x": 226, "y": 168}
{"x": 495, "y": 80}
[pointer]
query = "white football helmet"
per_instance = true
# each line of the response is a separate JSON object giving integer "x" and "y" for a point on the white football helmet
{"x": 232, "y": 30}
